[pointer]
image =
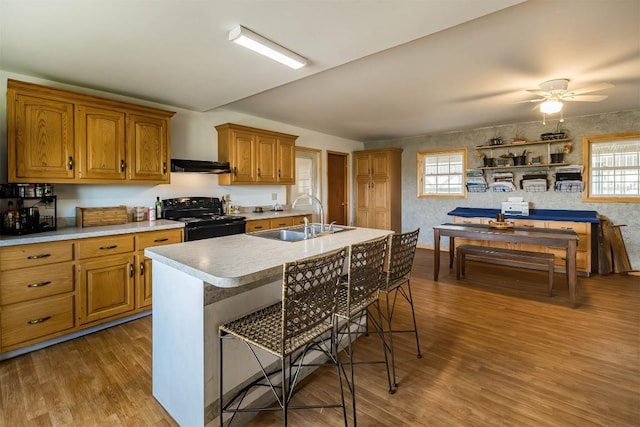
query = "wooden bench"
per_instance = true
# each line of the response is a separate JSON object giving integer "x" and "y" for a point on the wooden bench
{"x": 526, "y": 259}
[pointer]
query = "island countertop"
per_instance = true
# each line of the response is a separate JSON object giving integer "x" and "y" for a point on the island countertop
{"x": 241, "y": 259}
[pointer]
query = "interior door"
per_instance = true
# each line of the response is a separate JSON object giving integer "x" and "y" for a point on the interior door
{"x": 337, "y": 182}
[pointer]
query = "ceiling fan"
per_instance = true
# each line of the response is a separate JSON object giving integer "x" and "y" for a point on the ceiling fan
{"x": 554, "y": 92}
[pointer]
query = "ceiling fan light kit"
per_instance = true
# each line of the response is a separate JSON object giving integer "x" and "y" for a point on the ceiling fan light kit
{"x": 554, "y": 92}
{"x": 266, "y": 47}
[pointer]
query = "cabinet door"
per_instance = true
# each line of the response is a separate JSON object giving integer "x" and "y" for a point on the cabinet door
{"x": 148, "y": 148}
{"x": 144, "y": 282}
{"x": 41, "y": 144}
{"x": 379, "y": 165}
{"x": 363, "y": 202}
{"x": 243, "y": 157}
{"x": 106, "y": 287}
{"x": 266, "y": 147}
{"x": 100, "y": 138}
{"x": 362, "y": 165}
{"x": 286, "y": 162}
{"x": 379, "y": 204}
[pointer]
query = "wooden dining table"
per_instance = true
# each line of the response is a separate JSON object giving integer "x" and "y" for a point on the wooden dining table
{"x": 567, "y": 239}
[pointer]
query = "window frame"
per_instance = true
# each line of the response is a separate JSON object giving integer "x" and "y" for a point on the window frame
{"x": 316, "y": 154}
{"x": 587, "y": 142}
{"x": 421, "y": 155}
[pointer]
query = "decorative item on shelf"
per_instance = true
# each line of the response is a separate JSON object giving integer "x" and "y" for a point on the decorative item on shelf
{"x": 535, "y": 160}
{"x": 521, "y": 159}
{"x": 475, "y": 181}
{"x": 496, "y": 140}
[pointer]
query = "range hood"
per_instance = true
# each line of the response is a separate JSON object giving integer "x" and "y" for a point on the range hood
{"x": 202, "y": 166}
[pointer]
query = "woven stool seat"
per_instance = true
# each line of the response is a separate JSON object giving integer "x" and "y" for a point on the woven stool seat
{"x": 263, "y": 329}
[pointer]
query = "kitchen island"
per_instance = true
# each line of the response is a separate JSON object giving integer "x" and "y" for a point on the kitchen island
{"x": 199, "y": 285}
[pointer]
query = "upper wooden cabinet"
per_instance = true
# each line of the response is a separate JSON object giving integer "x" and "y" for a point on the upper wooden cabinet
{"x": 378, "y": 189}
{"x": 58, "y": 136}
{"x": 256, "y": 156}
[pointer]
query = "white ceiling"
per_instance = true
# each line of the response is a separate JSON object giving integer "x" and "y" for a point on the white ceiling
{"x": 378, "y": 69}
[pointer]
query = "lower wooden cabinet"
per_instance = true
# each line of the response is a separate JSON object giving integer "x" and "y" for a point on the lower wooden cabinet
{"x": 48, "y": 290}
{"x": 106, "y": 287}
{"x": 268, "y": 224}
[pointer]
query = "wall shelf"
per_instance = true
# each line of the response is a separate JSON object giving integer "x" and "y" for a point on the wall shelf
{"x": 521, "y": 144}
{"x": 536, "y": 166}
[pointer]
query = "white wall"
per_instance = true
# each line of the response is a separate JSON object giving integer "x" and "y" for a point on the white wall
{"x": 193, "y": 136}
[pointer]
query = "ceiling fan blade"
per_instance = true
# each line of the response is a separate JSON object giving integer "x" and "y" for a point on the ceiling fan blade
{"x": 594, "y": 88}
{"x": 584, "y": 98}
{"x": 531, "y": 100}
{"x": 539, "y": 92}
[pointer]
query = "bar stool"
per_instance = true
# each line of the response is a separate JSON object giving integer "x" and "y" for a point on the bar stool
{"x": 286, "y": 330}
{"x": 402, "y": 249}
{"x": 366, "y": 263}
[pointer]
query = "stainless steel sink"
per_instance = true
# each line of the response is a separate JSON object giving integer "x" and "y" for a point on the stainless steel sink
{"x": 295, "y": 234}
{"x": 284, "y": 235}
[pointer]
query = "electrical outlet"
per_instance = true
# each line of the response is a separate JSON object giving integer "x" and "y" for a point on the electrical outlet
{"x": 274, "y": 196}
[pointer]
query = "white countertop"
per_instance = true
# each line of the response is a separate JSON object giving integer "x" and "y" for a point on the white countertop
{"x": 68, "y": 233}
{"x": 237, "y": 260}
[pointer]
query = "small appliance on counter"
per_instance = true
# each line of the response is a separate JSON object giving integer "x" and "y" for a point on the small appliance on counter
{"x": 515, "y": 206}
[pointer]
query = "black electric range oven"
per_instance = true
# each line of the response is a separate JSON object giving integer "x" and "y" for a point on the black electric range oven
{"x": 203, "y": 217}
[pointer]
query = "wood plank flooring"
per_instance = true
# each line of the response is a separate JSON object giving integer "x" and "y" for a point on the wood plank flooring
{"x": 497, "y": 351}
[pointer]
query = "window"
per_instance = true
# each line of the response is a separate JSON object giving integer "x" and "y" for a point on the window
{"x": 441, "y": 173}
{"x": 612, "y": 165}
{"x": 307, "y": 175}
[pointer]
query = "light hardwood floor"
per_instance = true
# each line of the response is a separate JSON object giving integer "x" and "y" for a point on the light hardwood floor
{"x": 497, "y": 351}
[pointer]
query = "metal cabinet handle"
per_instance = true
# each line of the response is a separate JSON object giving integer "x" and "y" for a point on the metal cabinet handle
{"x": 142, "y": 268}
{"x": 164, "y": 239}
{"x": 278, "y": 173}
{"x": 39, "y": 284}
{"x": 38, "y": 256}
{"x": 104, "y": 248}
{"x": 259, "y": 173}
{"x": 130, "y": 270}
{"x": 164, "y": 167}
{"x": 258, "y": 227}
{"x": 40, "y": 320}
{"x": 70, "y": 163}
{"x": 235, "y": 171}
{"x": 121, "y": 165}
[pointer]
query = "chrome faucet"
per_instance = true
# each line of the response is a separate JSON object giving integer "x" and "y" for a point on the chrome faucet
{"x": 309, "y": 231}
{"x": 313, "y": 198}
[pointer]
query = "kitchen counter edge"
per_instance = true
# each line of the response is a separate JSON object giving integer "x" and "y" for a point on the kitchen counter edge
{"x": 70, "y": 233}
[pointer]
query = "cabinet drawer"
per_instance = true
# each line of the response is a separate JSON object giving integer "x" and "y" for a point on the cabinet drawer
{"x": 528, "y": 223}
{"x": 35, "y": 319}
{"x": 299, "y": 220}
{"x": 34, "y": 255}
{"x": 258, "y": 225}
{"x": 463, "y": 220}
{"x": 33, "y": 283}
{"x": 281, "y": 222}
{"x": 157, "y": 238}
{"x": 578, "y": 227}
{"x": 88, "y": 248}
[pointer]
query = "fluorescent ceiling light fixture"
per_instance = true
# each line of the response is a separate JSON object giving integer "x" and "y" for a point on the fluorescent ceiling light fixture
{"x": 551, "y": 106}
{"x": 266, "y": 47}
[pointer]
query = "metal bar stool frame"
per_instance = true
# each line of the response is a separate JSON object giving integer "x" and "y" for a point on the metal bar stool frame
{"x": 287, "y": 329}
{"x": 396, "y": 281}
{"x": 359, "y": 292}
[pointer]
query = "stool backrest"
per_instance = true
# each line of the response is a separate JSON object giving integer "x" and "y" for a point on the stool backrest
{"x": 309, "y": 292}
{"x": 366, "y": 269}
{"x": 402, "y": 249}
